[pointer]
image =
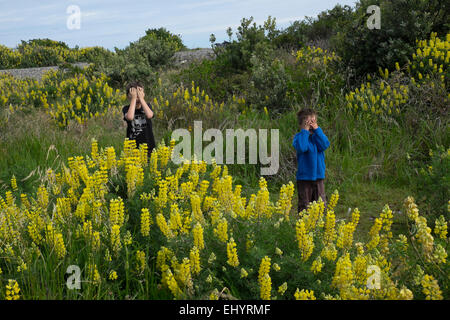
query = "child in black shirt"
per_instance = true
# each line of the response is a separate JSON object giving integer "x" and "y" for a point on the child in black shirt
{"x": 138, "y": 116}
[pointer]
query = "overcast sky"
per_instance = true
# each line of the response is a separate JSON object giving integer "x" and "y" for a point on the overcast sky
{"x": 114, "y": 23}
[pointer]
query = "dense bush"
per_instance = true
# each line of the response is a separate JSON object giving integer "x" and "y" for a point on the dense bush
{"x": 402, "y": 22}
{"x": 42, "y": 43}
{"x": 9, "y": 58}
{"x": 269, "y": 81}
{"x": 312, "y": 30}
{"x": 242, "y": 65}
{"x": 142, "y": 58}
{"x": 315, "y": 78}
{"x": 166, "y": 36}
{"x": 419, "y": 90}
{"x": 433, "y": 183}
{"x": 237, "y": 54}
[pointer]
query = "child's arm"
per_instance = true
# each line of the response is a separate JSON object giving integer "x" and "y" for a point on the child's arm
{"x": 301, "y": 142}
{"x": 130, "y": 114}
{"x": 148, "y": 112}
{"x": 320, "y": 139}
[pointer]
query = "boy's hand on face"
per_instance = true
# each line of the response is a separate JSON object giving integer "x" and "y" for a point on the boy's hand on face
{"x": 140, "y": 93}
{"x": 313, "y": 123}
{"x": 133, "y": 93}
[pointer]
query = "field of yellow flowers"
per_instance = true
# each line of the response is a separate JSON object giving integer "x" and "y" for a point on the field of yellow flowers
{"x": 142, "y": 228}
{"x": 78, "y": 98}
{"x": 389, "y": 95}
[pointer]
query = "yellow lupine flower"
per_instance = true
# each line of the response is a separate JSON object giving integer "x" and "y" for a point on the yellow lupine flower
{"x": 113, "y": 275}
{"x": 233, "y": 259}
{"x": 440, "y": 228}
{"x": 431, "y": 288}
{"x": 264, "y": 278}
{"x": 14, "y": 183}
{"x": 145, "y": 222}
{"x": 198, "y": 236}
{"x": 305, "y": 240}
{"x": 115, "y": 238}
{"x": 282, "y": 289}
{"x": 12, "y": 290}
{"x": 194, "y": 257}
{"x": 304, "y": 295}
{"x": 221, "y": 231}
{"x": 140, "y": 261}
{"x": 317, "y": 265}
{"x": 162, "y": 224}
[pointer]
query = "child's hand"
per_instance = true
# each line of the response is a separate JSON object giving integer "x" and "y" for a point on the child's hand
{"x": 313, "y": 124}
{"x": 133, "y": 93}
{"x": 140, "y": 93}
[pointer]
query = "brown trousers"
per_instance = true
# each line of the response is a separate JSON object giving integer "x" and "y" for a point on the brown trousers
{"x": 309, "y": 191}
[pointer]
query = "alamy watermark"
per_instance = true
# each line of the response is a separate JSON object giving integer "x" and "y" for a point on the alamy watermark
{"x": 74, "y": 280}
{"x": 73, "y": 21}
{"x": 373, "y": 279}
{"x": 257, "y": 147}
{"x": 374, "y": 20}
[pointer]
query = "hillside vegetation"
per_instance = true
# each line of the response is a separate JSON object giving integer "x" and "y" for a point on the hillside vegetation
{"x": 74, "y": 192}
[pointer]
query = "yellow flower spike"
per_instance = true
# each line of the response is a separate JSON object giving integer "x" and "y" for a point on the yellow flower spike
{"x": 343, "y": 277}
{"x": 194, "y": 257}
{"x": 113, "y": 275}
{"x": 14, "y": 183}
{"x": 264, "y": 278}
{"x": 115, "y": 238}
{"x": 140, "y": 261}
{"x": 317, "y": 265}
{"x": 198, "y": 236}
{"x": 12, "y": 290}
{"x": 163, "y": 226}
{"x": 431, "y": 288}
{"x": 440, "y": 228}
{"x": 233, "y": 259}
{"x": 221, "y": 231}
{"x": 305, "y": 240}
{"x": 304, "y": 295}
{"x": 145, "y": 222}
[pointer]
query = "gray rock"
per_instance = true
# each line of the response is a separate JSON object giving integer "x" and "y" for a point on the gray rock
{"x": 36, "y": 73}
{"x": 186, "y": 57}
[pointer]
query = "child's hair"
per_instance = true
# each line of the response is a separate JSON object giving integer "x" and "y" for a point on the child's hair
{"x": 303, "y": 114}
{"x": 133, "y": 84}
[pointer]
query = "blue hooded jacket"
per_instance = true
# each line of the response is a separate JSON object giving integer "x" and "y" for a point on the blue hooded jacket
{"x": 310, "y": 154}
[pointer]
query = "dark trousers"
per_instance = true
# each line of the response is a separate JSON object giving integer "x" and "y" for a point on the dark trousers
{"x": 309, "y": 191}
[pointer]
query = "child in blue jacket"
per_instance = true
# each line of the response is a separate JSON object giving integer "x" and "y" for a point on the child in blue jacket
{"x": 310, "y": 144}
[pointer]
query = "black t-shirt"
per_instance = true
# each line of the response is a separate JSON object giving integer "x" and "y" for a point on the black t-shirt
{"x": 140, "y": 128}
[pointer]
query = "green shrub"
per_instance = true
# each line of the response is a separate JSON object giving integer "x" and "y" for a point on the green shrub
{"x": 215, "y": 79}
{"x": 315, "y": 79}
{"x": 167, "y": 37}
{"x": 268, "y": 81}
{"x": 237, "y": 54}
{"x": 433, "y": 183}
{"x": 156, "y": 47}
{"x": 9, "y": 58}
{"x": 140, "y": 59}
{"x": 402, "y": 22}
{"x": 323, "y": 27}
{"x": 43, "y": 43}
